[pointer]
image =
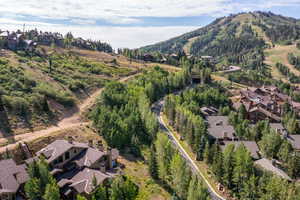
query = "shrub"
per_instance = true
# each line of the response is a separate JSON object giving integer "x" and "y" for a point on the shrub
{"x": 61, "y": 97}
{"x": 17, "y": 105}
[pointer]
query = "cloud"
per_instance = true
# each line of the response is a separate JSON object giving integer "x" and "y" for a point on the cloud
{"x": 83, "y": 21}
{"x": 128, "y": 11}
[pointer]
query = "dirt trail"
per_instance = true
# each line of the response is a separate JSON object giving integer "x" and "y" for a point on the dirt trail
{"x": 71, "y": 119}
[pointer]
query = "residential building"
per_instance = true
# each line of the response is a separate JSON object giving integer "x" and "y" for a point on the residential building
{"x": 251, "y": 146}
{"x": 264, "y": 103}
{"x": 75, "y": 165}
{"x": 220, "y": 129}
{"x": 12, "y": 179}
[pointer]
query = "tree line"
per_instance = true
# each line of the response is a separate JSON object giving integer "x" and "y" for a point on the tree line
{"x": 167, "y": 165}
{"x": 286, "y": 72}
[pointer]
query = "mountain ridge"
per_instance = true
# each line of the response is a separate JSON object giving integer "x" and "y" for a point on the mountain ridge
{"x": 235, "y": 34}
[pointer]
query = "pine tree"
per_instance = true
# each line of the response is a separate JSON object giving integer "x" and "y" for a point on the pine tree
{"x": 153, "y": 163}
{"x": 217, "y": 165}
{"x": 52, "y": 191}
{"x": 228, "y": 165}
{"x": 207, "y": 154}
{"x": 32, "y": 189}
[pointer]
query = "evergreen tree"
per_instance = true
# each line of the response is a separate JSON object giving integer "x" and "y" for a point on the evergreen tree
{"x": 228, "y": 165}
{"x": 52, "y": 191}
{"x": 32, "y": 189}
{"x": 153, "y": 163}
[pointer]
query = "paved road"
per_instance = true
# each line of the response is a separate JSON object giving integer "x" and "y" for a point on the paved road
{"x": 157, "y": 109}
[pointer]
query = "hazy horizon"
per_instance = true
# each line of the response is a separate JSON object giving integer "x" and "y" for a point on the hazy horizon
{"x": 130, "y": 23}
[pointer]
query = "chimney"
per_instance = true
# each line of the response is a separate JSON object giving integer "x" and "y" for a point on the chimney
{"x": 70, "y": 139}
{"x": 91, "y": 143}
{"x": 109, "y": 158}
{"x": 225, "y": 135}
{"x": 103, "y": 167}
{"x": 100, "y": 146}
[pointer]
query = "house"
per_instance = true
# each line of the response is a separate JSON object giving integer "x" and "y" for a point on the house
{"x": 74, "y": 165}
{"x": 251, "y": 146}
{"x": 12, "y": 179}
{"x": 269, "y": 165}
{"x": 265, "y": 102}
{"x": 219, "y": 128}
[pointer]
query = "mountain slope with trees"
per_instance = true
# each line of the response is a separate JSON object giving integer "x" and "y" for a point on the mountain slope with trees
{"x": 237, "y": 38}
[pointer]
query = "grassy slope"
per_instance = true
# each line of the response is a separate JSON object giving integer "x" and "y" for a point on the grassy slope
{"x": 279, "y": 54}
{"x": 70, "y": 69}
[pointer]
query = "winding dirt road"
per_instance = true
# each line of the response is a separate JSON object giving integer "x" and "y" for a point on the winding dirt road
{"x": 71, "y": 119}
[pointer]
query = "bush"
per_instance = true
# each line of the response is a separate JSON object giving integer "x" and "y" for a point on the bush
{"x": 61, "y": 97}
{"x": 18, "y": 105}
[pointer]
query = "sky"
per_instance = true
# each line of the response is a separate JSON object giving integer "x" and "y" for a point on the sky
{"x": 129, "y": 23}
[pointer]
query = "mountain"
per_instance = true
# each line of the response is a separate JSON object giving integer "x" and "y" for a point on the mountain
{"x": 234, "y": 36}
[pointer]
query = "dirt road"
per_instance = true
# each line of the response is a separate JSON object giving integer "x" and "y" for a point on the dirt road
{"x": 70, "y": 120}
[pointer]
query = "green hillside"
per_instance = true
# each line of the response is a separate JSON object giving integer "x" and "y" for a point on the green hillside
{"x": 238, "y": 37}
{"x": 36, "y": 91}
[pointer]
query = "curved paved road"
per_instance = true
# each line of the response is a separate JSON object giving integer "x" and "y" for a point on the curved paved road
{"x": 157, "y": 109}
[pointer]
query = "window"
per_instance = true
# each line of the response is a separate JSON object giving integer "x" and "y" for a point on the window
{"x": 60, "y": 159}
{"x": 67, "y": 155}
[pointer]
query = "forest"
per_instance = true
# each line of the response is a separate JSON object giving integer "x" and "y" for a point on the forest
{"x": 234, "y": 167}
{"x": 124, "y": 116}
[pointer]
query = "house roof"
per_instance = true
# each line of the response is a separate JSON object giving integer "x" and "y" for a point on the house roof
{"x": 267, "y": 165}
{"x": 88, "y": 157}
{"x": 82, "y": 182}
{"x": 218, "y": 125}
{"x": 213, "y": 120}
{"x": 250, "y": 145}
{"x": 58, "y": 148}
{"x": 12, "y": 176}
{"x": 218, "y": 131}
{"x": 295, "y": 141}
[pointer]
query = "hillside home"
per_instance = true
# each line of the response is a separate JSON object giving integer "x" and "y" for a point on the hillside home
{"x": 264, "y": 103}
{"x": 12, "y": 179}
{"x": 251, "y": 146}
{"x": 220, "y": 129}
{"x": 75, "y": 165}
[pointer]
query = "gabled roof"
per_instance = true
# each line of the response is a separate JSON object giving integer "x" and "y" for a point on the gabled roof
{"x": 218, "y": 126}
{"x": 267, "y": 165}
{"x": 250, "y": 145}
{"x": 11, "y": 176}
{"x": 82, "y": 181}
{"x": 213, "y": 120}
{"x": 88, "y": 157}
{"x": 58, "y": 148}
